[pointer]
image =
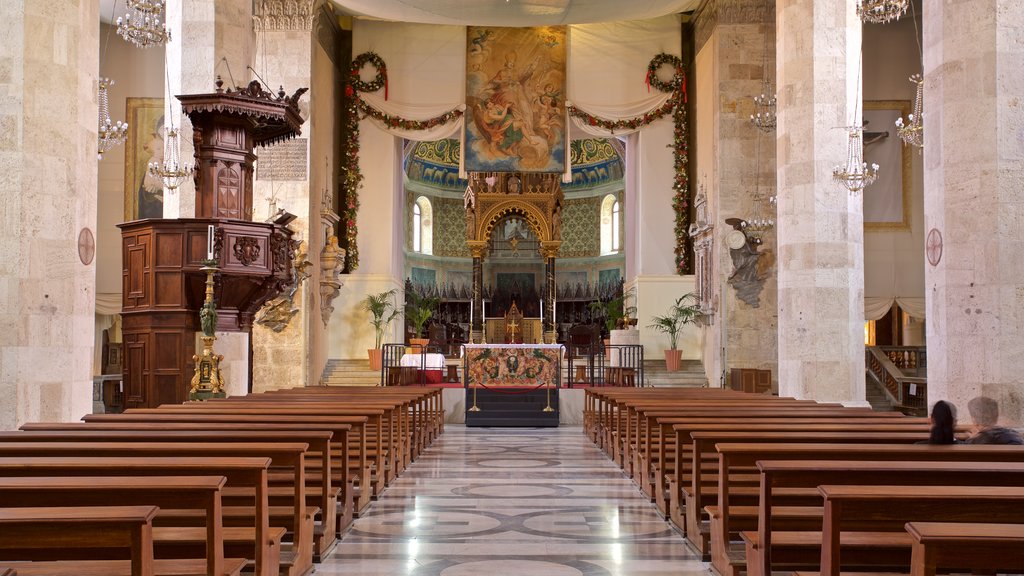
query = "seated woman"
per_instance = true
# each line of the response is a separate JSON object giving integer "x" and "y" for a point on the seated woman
{"x": 943, "y": 420}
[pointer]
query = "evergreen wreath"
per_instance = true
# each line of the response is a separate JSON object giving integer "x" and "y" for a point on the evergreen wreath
{"x": 677, "y": 72}
{"x": 378, "y": 82}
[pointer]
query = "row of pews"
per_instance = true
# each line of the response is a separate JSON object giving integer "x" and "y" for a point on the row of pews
{"x": 759, "y": 483}
{"x": 264, "y": 483}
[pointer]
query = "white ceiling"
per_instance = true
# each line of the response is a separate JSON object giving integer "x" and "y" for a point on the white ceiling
{"x": 489, "y": 12}
{"x": 513, "y": 12}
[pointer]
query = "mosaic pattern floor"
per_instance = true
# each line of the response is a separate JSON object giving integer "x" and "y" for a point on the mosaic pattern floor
{"x": 510, "y": 502}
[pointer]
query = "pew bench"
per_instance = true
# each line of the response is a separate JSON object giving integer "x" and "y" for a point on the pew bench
{"x": 965, "y": 546}
{"x": 35, "y": 535}
{"x": 776, "y": 475}
{"x": 297, "y": 561}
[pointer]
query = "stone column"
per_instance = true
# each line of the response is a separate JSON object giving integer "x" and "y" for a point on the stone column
{"x": 733, "y": 37}
{"x": 974, "y": 158}
{"x": 202, "y": 33}
{"x": 820, "y": 224}
{"x": 49, "y": 57}
{"x": 293, "y": 176}
{"x": 476, "y": 330}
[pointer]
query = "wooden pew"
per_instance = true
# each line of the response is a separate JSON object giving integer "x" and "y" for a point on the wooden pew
{"x": 733, "y": 456}
{"x": 238, "y": 471}
{"x": 873, "y": 518}
{"x": 34, "y": 534}
{"x": 338, "y": 445}
{"x": 200, "y": 492}
{"x": 320, "y": 492}
{"x": 287, "y": 455}
{"x": 360, "y": 463}
{"x": 701, "y": 495}
{"x": 796, "y": 474}
{"x": 965, "y": 546}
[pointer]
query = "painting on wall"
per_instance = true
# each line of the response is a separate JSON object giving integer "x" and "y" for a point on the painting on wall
{"x": 143, "y": 192}
{"x": 887, "y": 201}
{"x": 515, "y": 99}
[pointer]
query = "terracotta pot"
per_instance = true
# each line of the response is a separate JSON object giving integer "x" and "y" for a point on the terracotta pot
{"x": 376, "y": 358}
{"x": 414, "y": 342}
{"x": 672, "y": 360}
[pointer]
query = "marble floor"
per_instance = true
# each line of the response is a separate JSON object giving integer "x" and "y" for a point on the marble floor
{"x": 510, "y": 502}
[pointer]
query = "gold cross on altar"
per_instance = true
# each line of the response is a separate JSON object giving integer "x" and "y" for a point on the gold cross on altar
{"x": 511, "y": 327}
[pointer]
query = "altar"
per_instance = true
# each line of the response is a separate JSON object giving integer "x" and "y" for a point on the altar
{"x": 512, "y": 384}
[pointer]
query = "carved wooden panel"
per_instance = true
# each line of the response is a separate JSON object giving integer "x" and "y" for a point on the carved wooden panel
{"x": 229, "y": 184}
{"x": 135, "y": 368}
{"x": 136, "y": 276}
{"x": 169, "y": 290}
{"x": 168, "y": 250}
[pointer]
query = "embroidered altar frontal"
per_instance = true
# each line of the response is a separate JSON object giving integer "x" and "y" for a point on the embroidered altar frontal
{"x": 520, "y": 366}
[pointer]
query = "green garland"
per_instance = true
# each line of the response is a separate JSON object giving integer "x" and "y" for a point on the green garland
{"x": 351, "y": 176}
{"x": 676, "y": 105}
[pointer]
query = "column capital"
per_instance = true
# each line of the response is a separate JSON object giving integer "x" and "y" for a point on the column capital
{"x": 550, "y": 248}
{"x": 478, "y": 248}
{"x": 283, "y": 14}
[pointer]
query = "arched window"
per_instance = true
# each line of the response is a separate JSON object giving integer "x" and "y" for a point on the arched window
{"x": 611, "y": 225}
{"x": 422, "y": 226}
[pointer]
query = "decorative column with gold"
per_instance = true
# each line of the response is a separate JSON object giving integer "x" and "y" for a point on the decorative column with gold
{"x": 549, "y": 250}
{"x": 476, "y": 330}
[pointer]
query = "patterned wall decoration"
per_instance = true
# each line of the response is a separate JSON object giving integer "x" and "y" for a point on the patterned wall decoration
{"x": 424, "y": 276}
{"x": 594, "y": 162}
{"x": 436, "y": 164}
{"x": 609, "y": 276}
{"x": 450, "y": 228}
{"x": 581, "y": 226}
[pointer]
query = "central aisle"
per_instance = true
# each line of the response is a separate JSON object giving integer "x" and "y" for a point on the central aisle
{"x": 510, "y": 502}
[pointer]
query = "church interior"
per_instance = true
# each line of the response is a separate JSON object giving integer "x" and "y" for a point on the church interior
{"x": 522, "y": 286}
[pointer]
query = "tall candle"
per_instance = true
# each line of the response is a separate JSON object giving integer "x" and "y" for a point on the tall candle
{"x": 471, "y": 314}
{"x": 542, "y": 314}
{"x": 209, "y": 242}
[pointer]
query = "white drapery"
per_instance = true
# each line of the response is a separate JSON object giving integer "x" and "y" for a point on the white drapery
{"x": 414, "y": 112}
{"x": 108, "y": 303}
{"x": 877, "y": 307}
{"x": 618, "y": 112}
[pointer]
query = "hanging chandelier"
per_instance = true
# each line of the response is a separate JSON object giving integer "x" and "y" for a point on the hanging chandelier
{"x": 762, "y": 215}
{"x": 764, "y": 118}
{"x": 141, "y": 26}
{"x": 856, "y": 174}
{"x": 764, "y": 105}
{"x": 110, "y": 134}
{"x": 171, "y": 171}
{"x": 881, "y": 11}
{"x": 911, "y": 131}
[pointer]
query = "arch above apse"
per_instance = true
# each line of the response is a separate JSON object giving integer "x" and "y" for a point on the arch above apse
{"x": 535, "y": 218}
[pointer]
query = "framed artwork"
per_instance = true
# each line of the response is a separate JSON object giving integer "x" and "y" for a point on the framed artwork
{"x": 515, "y": 99}
{"x": 887, "y": 201}
{"x": 143, "y": 194}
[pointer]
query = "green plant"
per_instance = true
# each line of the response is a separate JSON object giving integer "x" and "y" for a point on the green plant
{"x": 614, "y": 311}
{"x": 418, "y": 310}
{"x": 678, "y": 315}
{"x": 384, "y": 311}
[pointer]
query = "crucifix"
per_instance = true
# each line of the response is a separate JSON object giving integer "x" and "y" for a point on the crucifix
{"x": 512, "y": 327}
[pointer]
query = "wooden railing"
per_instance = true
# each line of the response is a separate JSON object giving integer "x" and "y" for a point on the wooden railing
{"x": 908, "y": 393}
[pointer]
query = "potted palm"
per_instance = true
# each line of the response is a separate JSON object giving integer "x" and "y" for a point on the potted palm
{"x": 678, "y": 315}
{"x": 418, "y": 310}
{"x": 615, "y": 314}
{"x": 383, "y": 311}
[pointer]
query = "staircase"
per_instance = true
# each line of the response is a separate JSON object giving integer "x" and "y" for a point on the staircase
{"x": 350, "y": 373}
{"x": 358, "y": 373}
{"x": 876, "y": 396}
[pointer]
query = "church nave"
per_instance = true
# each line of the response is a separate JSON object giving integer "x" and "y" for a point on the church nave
{"x": 543, "y": 502}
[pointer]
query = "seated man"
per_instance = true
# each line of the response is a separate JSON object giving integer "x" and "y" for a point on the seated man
{"x": 985, "y": 413}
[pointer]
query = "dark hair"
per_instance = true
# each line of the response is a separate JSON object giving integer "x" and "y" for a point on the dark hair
{"x": 943, "y": 423}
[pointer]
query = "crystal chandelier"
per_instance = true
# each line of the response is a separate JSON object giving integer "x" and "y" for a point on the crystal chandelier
{"x": 110, "y": 134}
{"x": 170, "y": 170}
{"x": 856, "y": 174}
{"x": 141, "y": 26}
{"x": 881, "y": 11}
{"x": 911, "y": 131}
{"x": 762, "y": 217}
{"x": 765, "y": 105}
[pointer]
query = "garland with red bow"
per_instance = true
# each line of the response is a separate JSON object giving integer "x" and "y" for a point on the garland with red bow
{"x": 676, "y": 105}
{"x": 351, "y": 176}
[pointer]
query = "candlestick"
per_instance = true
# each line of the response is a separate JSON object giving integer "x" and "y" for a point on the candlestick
{"x": 542, "y": 313}
{"x": 209, "y": 242}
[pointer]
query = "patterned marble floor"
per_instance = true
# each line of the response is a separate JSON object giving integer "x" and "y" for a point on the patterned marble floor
{"x": 510, "y": 502}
